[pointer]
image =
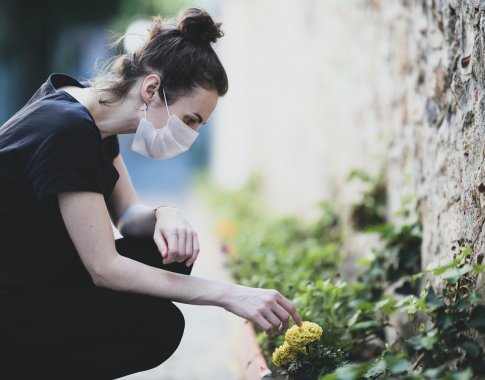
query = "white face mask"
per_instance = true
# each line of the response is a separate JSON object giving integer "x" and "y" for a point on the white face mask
{"x": 174, "y": 138}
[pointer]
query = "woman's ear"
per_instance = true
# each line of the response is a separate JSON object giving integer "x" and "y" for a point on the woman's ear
{"x": 149, "y": 88}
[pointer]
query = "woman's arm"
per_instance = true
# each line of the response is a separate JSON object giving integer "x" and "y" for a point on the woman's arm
{"x": 87, "y": 221}
{"x": 130, "y": 216}
{"x": 174, "y": 236}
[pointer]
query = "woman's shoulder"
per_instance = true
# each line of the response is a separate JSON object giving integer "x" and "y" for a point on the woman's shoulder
{"x": 64, "y": 114}
{"x": 55, "y": 116}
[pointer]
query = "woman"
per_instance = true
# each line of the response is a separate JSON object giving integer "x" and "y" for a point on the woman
{"x": 75, "y": 302}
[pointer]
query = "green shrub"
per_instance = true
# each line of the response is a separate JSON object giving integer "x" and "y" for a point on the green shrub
{"x": 301, "y": 259}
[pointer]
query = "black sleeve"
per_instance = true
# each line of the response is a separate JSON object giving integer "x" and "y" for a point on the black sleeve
{"x": 69, "y": 158}
{"x": 112, "y": 146}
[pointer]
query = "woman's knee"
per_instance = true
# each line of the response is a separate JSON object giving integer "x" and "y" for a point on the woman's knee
{"x": 140, "y": 249}
{"x": 146, "y": 251}
{"x": 175, "y": 322}
{"x": 166, "y": 337}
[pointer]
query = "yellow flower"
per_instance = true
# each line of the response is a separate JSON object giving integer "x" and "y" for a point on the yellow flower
{"x": 298, "y": 337}
{"x": 226, "y": 228}
{"x": 283, "y": 355}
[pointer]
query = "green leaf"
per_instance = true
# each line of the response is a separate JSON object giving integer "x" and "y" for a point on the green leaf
{"x": 347, "y": 372}
{"x": 423, "y": 342}
{"x": 379, "y": 228}
{"x": 443, "y": 319}
{"x": 432, "y": 299}
{"x": 364, "y": 262}
{"x": 477, "y": 318}
{"x": 475, "y": 298}
{"x": 353, "y": 318}
{"x": 429, "y": 341}
{"x": 440, "y": 269}
{"x": 433, "y": 373}
{"x": 471, "y": 347}
{"x": 399, "y": 365}
{"x": 365, "y": 306}
{"x": 364, "y": 325}
{"x": 463, "y": 304}
{"x": 478, "y": 268}
{"x": 405, "y": 301}
{"x": 381, "y": 304}
{"x": 377, "y": 369}
{"x": 417, "y": 276}
{"x": 454, "y": 274}
{"x": 463, "y": 375}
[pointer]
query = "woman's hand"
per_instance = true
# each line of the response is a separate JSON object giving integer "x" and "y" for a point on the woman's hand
{"x": 174, "y": 236}
{"x": 267, "y": 308}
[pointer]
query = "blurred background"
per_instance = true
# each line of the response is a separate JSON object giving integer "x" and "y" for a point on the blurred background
{"x": 307, "y": 88}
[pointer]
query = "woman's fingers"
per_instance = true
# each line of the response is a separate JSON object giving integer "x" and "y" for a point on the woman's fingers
{"x": 189, "y": 251}
{"x": 272, "y": 319}
{"x": 189, "y": 247}
{"x": 182, "y": 244}
{"x": 277, "y": 316}
{"x": 283, "y": 317}
{"x": 290, "y": 308}
{"x": 160, "y": 243}
{"x": 173, "y": 248}
{"x": 277, "y": 312}
{"x": 265, "y": 307}
{"x": 178, "y": 241}
{"x": 264, "y": 324}
{"x": 195, "y": 248}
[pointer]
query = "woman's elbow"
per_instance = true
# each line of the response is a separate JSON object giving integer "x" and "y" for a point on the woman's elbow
{"x": 98, "y": 279}
{"x": 126, "y": 226}
{"x": 101, "y": 274}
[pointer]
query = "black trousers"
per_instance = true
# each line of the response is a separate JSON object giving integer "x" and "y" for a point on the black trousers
{"x": 87, "y": 332}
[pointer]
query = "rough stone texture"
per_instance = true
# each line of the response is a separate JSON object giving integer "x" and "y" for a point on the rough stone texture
{"x": 438, "y": 149}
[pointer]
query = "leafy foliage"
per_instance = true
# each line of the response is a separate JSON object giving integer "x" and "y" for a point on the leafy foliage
{"x": 318, "y": 360}
{"x": 301, "y": 259}
{"x": 371, "y": 211}
{"x": 399, "y": 260}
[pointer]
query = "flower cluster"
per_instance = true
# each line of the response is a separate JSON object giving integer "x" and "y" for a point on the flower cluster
{"x": 283, "y": 355}
{"x": 296, "y": 340}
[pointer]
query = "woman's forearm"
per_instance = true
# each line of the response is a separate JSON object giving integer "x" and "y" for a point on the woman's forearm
{"x": 87, "y": 221}
{"x": 125, "y": 274}
{"x": 265, "y": 307}
{"x": 137, "y": 221}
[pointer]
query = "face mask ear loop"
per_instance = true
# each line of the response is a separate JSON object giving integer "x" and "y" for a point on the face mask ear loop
{"x": 165, "y": 98}
{"x": 146, "y": 107}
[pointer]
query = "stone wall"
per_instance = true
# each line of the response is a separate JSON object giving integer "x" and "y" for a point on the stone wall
{"x": 322, "y": 87}
{"x": 438, "y": 144}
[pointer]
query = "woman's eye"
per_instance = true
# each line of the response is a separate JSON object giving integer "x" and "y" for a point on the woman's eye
{"x": 190, "y": 122}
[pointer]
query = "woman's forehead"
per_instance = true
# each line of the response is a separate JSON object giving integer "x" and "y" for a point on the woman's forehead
{"x": 201, "y": 101}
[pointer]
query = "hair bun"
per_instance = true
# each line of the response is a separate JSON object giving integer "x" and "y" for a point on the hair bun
{"x": 198, "y": 26}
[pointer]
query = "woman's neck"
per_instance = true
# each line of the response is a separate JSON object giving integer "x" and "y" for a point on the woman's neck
{"x": 118, "y": 118}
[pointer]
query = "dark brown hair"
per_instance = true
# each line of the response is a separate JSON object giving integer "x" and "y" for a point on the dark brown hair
{"x": 181, "y": 54}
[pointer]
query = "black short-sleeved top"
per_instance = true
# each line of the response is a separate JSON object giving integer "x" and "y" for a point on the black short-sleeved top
{"x": 52, "y": 145}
